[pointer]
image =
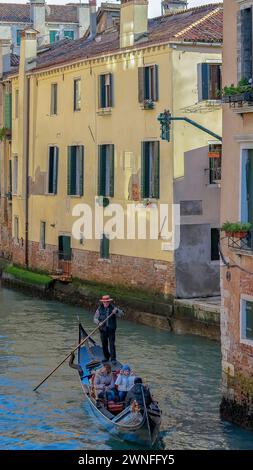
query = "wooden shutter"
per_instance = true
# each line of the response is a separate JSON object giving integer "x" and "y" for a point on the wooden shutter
{"x": 101, "y": 170}
{"x": 69, "y": 171}
{"x": 111, "y": 160}
{"x": 157, "y": 169}
{"x": 246, "y": 43}
{"x": 147, "y": 79}
{"x": 156, "y": 84}
{"x": 141, "y": 84}
{"x": 145, "y": 170}
{"x": 111, "y": 90}
{"x": 55, "y": 177}
{"x": 81, "y": 169}
{"x": 203, "y": 82}
{"x": 10, "y": 176}
{"x": 7, "y": 110}
{"x": 102, "y": 94}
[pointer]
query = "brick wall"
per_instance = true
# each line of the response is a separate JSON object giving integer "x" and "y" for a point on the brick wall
{"x": 5, "y": 228}
{"x": 126, "y": 270}
{"x": 237, "y": 358}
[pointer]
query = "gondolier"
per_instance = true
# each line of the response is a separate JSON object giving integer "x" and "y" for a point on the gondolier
{"x": 107, "y": 331}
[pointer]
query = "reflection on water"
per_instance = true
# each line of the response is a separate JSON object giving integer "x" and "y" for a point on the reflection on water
{"x": 183, "y": 371}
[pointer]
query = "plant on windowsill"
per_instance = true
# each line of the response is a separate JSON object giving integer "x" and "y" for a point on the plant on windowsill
{"x": 148, "y": 104}
{"x": 243, "y": 92}
{"x": 3, "y": 133}
{"x": 236, "y": 229}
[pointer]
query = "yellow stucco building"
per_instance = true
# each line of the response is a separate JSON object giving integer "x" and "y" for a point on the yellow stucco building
{"x": 85, "y": 131}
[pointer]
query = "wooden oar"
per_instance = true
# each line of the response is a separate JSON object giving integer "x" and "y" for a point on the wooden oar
{"x": 78, "y": 346}
{"x": 146, "y": 413}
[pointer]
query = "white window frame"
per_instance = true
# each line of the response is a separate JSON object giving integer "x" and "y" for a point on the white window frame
{"x": 244, "y": 298}
{"x": 15, "y": 175}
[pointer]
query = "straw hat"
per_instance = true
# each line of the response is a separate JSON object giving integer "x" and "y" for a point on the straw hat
{"x": 106, "y": 298}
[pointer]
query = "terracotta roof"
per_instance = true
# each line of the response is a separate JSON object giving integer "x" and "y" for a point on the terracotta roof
{"x": 200, "y": 24}
{"x": 16, "y": 12}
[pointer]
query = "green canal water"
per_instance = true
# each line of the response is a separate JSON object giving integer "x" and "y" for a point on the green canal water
{"x": 183, "y": 373}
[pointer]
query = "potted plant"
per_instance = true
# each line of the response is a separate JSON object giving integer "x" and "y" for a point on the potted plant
{"x": 148, "y": 104}
{"x": 242, "y": 92}
{"x": 3, "y": 133}
{"x": 236, "y": 229}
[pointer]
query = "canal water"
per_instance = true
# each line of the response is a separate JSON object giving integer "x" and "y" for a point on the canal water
{"x": 183, "y": 372}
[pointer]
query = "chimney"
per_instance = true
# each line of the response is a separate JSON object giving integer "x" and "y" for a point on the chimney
{"x": 28, "y": 49}
{"x": 93, "y": 18}
{"x": 5, "y": 56}
{"x": 38, "y": 18}
{"x": 83, "y": 17}
{"x": 172, "y": 6}
{"x": 133, "y": 21}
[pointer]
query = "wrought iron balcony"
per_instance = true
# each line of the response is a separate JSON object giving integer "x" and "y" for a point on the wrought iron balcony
{"x": 241, "y": 243}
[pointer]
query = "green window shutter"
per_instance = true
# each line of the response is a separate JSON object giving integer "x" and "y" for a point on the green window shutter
{"x": 156, "y": 84}
{"x": 145, "y": 170}
{"x": 111, "y": 159}
{"x": 147, "y": 83}
{"x": 81, "y": 169}
{"x": 102, "y": 97}
{"x": 104, "y": 247}
{"x": 101, "y": 169}
{"x": 69, "y": 172}
{"x": 203, "y": 82}
{"x": 111, "y": 104}
{"x": 55, "y": 178}
{"x": 7, "y": 110}
{"x": 157, "y": 170}
{"x": 141, "y": 84}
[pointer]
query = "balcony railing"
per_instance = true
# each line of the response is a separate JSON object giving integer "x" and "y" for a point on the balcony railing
{"x": 244, "y": 243}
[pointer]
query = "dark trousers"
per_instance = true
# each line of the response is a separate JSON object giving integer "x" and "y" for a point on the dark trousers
{"x": 108, "y": 336}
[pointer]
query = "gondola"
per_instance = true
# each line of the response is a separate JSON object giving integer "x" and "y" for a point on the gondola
{"x": 131, "y": 424}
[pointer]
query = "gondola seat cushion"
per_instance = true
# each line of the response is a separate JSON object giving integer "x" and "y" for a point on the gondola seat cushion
{"x": 115, "y": 408}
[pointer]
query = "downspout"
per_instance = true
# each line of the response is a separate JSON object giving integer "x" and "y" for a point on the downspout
{"x": 27, "y": 177}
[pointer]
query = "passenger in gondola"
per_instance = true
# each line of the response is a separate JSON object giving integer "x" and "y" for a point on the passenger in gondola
{"x": 137, "y": 392}
{"x": 108, "y": 329}
{"x": 104, "y": 383}
{"x": 124, "y": 382}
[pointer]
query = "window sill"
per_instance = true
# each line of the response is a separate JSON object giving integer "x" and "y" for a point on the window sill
{"x": 147, "y": 108}
{"x": 50, "y": 194}
{"x": 71, "y": 195}
{"x": 239, "y": 252}
{"x": 104, "y": 111}
{"x": 243, "y": 109}
{"x": 247, "y": 342}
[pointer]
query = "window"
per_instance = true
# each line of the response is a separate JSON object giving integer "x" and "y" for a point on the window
{"x": 247, "y": 190}
{"x": 77, "y": 94}
{"x": 148, "y": 83}
{"x": 244, "y": 28}
{"x": 16, "y": 104}
{"x": 104, "y": 247}
{"x": 15, "y": 175}
{"x": 209, "y": 81}
{"x": 18, "y": 36}
{"x": 43, "y": 235}
{"x": 53, "y": 36}
{"x": 10, "y": 176}
{"x": 150, "y": 170}
{"x": 16, "y": 230}
{"x": 214, "y": 154}
{"x": 106, "y": 90}
{"x": 54, "y": 99}
{"x": 106, "y": 170}
{"x": 75, "y": 170}
{"x": 69, "y": 34}
{"x": 53, "y": 170}
{"x": 215, "y": 239}
{"x": 247, "y": 318}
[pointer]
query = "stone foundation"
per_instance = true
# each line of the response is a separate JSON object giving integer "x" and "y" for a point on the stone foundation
{"x": 142, "y": 273}
{"x": 237, "y": 356}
